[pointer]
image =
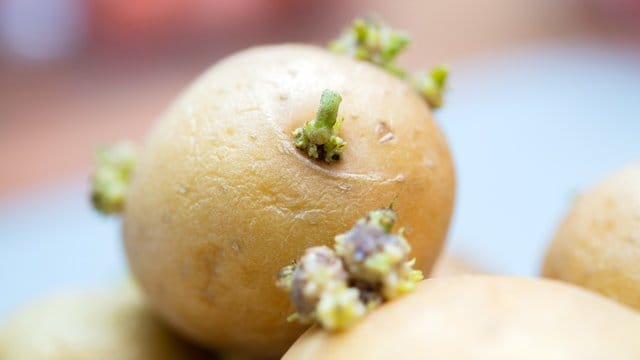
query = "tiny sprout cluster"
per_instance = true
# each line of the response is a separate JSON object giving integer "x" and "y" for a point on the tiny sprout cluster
{"x": 318, "y": 287}
{"x": 371, "y": 40}
{"x": 319, "y": 137}
{"x": 114, "y": 168}
{"x": 369, "y": 265}
{"x": 432, "y": 85}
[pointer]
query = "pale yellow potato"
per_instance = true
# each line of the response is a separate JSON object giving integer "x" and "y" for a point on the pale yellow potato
{"x": 449, "y": 264}
{"x": 484, "y": 318}
{"x": 221, "y": 199}
{"x": 98, "y": 325}
{"x": 598, "y": 244}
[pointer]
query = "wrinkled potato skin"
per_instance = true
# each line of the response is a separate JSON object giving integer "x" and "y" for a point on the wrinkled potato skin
{"x": 91, "y": 326}
{"x": 484, "y": 318}
{"x": 598, "y": 244}
{"x": 221, "y": 199}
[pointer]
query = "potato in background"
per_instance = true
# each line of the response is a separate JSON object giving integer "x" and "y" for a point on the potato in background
{"x": 91, "y": 325}
{"x": 598, "y": 244}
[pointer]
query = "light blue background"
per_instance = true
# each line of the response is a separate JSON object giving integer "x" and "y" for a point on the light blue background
{"x": 529, "y": 129}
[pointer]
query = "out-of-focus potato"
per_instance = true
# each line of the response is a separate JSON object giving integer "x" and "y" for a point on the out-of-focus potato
{"x": 484, "y": 318}
{"x": 453, "y": 265}
{"x": 221, "y": 199}
{"x": 103, "y": 325}
{"x": 598, "y": 244}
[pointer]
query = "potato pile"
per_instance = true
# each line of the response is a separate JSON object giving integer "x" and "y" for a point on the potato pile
{"x": 292, "y": 188}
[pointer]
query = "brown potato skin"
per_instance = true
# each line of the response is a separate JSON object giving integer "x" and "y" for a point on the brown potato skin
{"x": 92, "y": 325}
{"x": 598, "y": 244}
{"x": 222, "y": 199}
{"x": 484, "y": 318}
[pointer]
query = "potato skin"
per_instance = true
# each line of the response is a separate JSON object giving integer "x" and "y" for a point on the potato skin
{"x": 221, "y": 199}
{"x": 96, "y": 325}
{"x": 598, "y": 244}
{"x": 484, "y": 318}
{"x": 449, "y": 264}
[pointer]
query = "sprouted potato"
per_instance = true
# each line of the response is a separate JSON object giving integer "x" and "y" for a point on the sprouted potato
{"x": 271, "y": 151}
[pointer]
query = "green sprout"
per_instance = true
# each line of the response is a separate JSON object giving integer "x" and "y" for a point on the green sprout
{"x": 432, "y": 85}
{"x": 337, "y": 288}
{"x": 110, "y": 180}
{"x": 369, "y": 39}
{"x": 319, "y": 137}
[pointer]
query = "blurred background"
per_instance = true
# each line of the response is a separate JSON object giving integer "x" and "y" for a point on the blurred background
{"x": 544, "y": 100}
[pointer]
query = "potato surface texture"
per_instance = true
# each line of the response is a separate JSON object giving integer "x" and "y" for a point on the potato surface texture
{"x": 221, "y": 198}
{"x": 484, "y": 318}
{"x": 598, "y": 244}
{"x": 99, "y": 325}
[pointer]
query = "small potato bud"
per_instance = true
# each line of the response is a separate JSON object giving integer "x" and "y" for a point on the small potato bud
{"x": 318, "y": 272}
{"x": 114, "y": 168}
{"x": 373, "y": 255}
{"x": 370, "y": 265}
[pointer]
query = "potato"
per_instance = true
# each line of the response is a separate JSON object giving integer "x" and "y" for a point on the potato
{"x": 221, "y": 199}
{"x": 453, "y": 265}
{"x": 483, "y": 317}
{"x": 598, "y": 244}
{"x": 93, "y": 326}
